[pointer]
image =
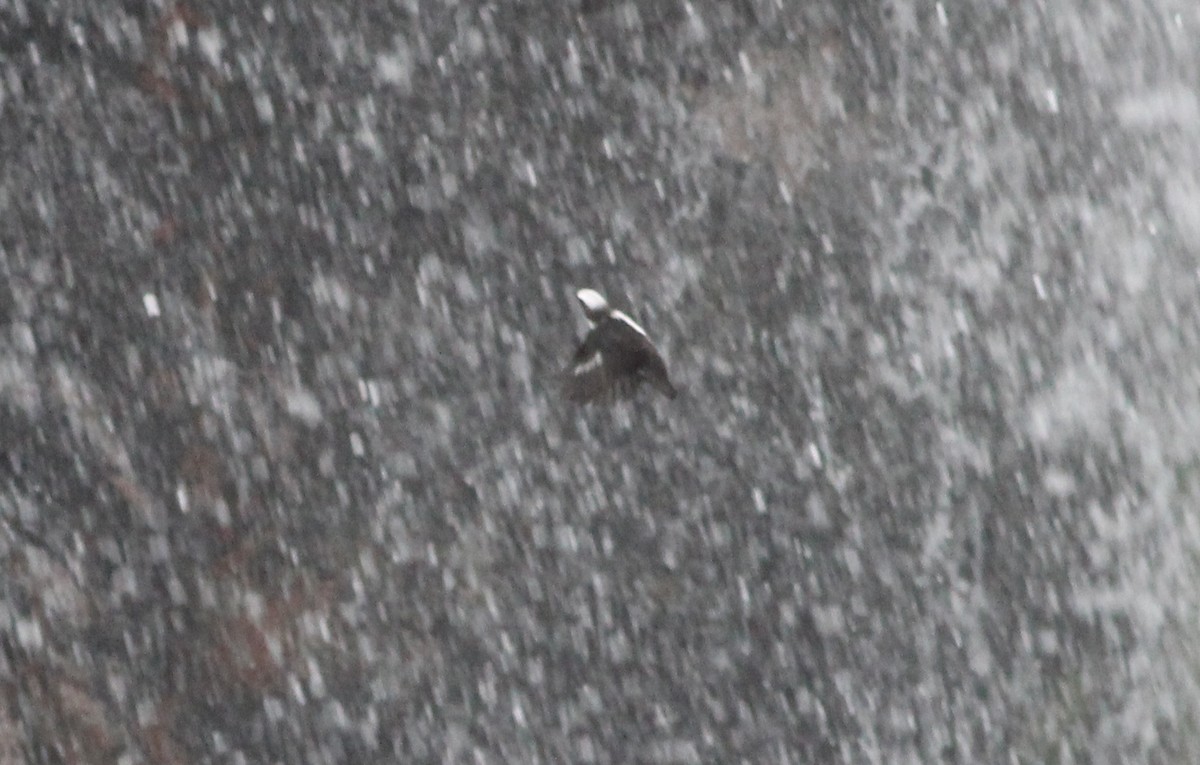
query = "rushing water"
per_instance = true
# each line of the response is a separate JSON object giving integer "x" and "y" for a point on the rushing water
{"x": 285, "y": 472}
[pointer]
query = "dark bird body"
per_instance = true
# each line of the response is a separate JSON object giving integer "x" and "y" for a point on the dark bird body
{"x": 615, "y": 357}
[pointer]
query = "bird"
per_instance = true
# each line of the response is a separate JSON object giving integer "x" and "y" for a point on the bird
{"x": 615, "y": 357}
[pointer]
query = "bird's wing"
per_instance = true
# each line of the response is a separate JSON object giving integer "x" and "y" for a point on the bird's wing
{"x": 612, "y": 360}
{"x": 647, "y": 360}
{"x": 589, "y": 376}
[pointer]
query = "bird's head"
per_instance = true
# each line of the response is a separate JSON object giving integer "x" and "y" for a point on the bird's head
{"x": 594, "y": 304}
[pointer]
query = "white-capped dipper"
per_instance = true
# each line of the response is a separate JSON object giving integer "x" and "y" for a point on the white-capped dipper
{"x": 614, "y": 358}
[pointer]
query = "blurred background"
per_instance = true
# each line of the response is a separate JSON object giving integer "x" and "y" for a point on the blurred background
{"x": 285, "y": 288}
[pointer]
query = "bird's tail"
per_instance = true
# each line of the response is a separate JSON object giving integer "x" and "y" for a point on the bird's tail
{"x": 664, "y": 385}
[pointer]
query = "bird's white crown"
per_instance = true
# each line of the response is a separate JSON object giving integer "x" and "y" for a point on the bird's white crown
{"x": 593, "y": 302}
